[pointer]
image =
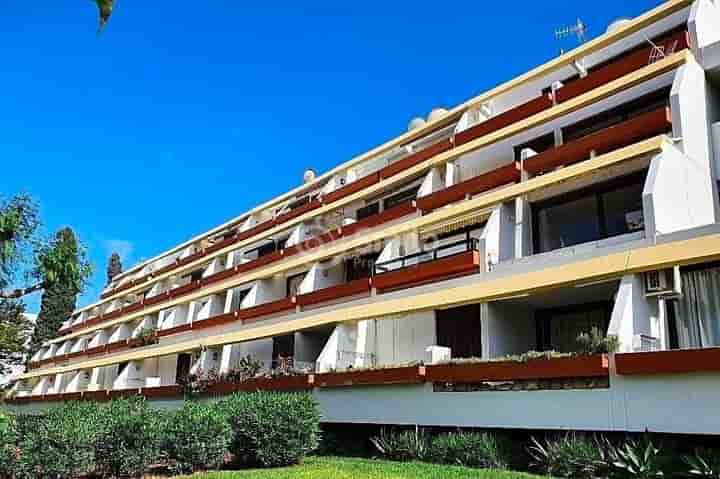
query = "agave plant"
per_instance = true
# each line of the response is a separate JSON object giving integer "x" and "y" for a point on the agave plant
{"x": 704, "y": 463}
{"x": 402, "y": 445}
{"x": 635, "y": 459}
{"x": 572, "y": 456}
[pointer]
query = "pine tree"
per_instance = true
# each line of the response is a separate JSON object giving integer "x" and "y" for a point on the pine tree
{"x": 114, "y": 267}
{"x": 58, "y": 299}
{"x": 14, "y": 332}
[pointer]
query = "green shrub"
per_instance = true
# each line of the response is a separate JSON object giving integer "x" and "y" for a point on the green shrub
{"x": 272, "y": 429}
{"x": 568, "y": 456}
{"x": 60, "y": 444}
{"x": 468, "y": 449}
{"x": 635, "y": 459}
{"x": 596, "y": 342}
{"x": 195, "y": 437}
{"x": 128, "y": 441}
{"x": 704, "y": 463}
{"x": 9, "y": 458}
{"x": 402, "y": 445}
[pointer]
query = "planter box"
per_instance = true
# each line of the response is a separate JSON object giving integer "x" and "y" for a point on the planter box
{"x": 386, "y": 216}
{"x": 372, "y": 377}
{"x": 359, "y": 286}
{"x": 556, "y": 368}
{"x": 139, "y": 342}
{"x": 96, "y": 350}
{"x": 250, "y": 314}
{"x": 137, "y": 306}
{"x": 679, "y": 361}
{"x": 220, "y": 245}
{"x": 351, "y": 188}
{"x": 116, "y": 346}
{"x": 111, "y": 315}
{"x": 189, "y": 259}
{"x": 213, "y": 321}
{"x": 185, "y": 289}
{"x": 623, "y": 134}
{"x": 171, "y": 391}
{"x": 95, "y": 395}
{"x": 257, "y": 263}
{"x": 479, "y": 184}
{"x": 504, "y": 119}
{"x": 124, "y": 393}
{"x": 217, "y": 277}
{"x": 174, "y": 330}
{"x": 300, "y": 210}
{"x": 314, "y": 242}
{"x": 71, "y": 396}
{"x": 451, "y": 266}
{"x": 257, "y": 229}
{"x": 416, "y": 158}
{"x": 281, "y": 383}
{"x": 158, "y": 298}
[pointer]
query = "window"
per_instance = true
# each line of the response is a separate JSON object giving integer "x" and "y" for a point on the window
{"x": 694, "y": 319}
{"x": 617, "y": 115}
{"x": 292, "y": 284}
{"x": 538, "y": 145}
{"x": 368, "y": 210}
{"x": 401, "y": 197}
{"x": 283, "y": 347}
{"x": 122, "y": 367}
{"x": 237, "y": 298}
{"x": 460, "y": 330}
{"x": 360, "y": 267}
{"x": 591, "y": 214}
{"x": 558, "y": 329}
{"x": 184, "y": 362}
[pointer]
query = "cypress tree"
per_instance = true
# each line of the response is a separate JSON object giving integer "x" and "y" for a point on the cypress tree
{"x": 58, "y": 299}
{"x": 114, "y": 267}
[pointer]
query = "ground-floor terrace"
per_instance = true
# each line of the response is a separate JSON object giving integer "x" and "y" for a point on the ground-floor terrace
{"x": 513, "y": 362}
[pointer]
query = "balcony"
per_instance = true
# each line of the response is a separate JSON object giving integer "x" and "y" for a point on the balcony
{"x": 677, "y": 361}
{"x": 622, "y": 66}
{"x": 480, "y": 184}
{"x": 641, "y": 127}
{"x": 447, "y": 261}
{"x": 416, "y": 158}
{"x": 249, "y": 315}
{"x": 353, "y": 288}
{"x": 350, "y": 188}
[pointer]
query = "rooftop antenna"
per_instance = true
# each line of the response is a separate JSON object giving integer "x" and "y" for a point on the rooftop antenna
{"x": 579, "y": 29}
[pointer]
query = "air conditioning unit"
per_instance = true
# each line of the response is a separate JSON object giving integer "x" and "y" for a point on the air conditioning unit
{"x": 664, "y": 282}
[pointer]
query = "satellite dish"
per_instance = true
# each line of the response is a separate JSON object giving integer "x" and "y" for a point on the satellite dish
{"x": 437, "y": 113}
{"x": 309, "y": 175}
{"x": 617, "y": 24}
{"x": 416, "y": 123}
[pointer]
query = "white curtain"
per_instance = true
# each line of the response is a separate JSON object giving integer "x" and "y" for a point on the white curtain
{"x": 698, "y": 318}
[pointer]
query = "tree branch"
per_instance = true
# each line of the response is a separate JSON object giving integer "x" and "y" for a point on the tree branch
{"x": 19, "y": 293}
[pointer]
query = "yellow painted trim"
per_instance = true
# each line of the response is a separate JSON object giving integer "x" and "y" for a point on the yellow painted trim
{"x": 477, "y": 204}
{"x": 598, "y": 94}
{"x": 647, "y": 19}
{"x": 692, "y": 251}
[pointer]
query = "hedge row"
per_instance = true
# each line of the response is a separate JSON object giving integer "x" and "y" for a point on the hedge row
{"x": 126, "y": 437}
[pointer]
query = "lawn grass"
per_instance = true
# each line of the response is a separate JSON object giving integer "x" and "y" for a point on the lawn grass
{"x": 350, "y": 468}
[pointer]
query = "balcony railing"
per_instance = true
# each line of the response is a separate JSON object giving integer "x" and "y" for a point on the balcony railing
{"x": 444, "y": 262}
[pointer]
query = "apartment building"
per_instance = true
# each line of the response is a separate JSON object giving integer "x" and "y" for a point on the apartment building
{"x": 582, "y": 194}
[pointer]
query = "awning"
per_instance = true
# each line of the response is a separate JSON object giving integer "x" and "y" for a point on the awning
{"x": 457, "y": 223}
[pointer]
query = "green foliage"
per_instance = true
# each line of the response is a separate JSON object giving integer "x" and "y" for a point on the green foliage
{"x": 568, "y": 456}
{"x": 64, "y": 269}
{"x": 468, "y": 449}
{"x": 9, "y": 458}
{"x": 18, "y": 222}
{"x": 15, "y": 331}
{"x": 704, "y": 463}
{"x": 195, "y": 437}
{"x": 60, "y": 445}
{"x": 635, "y": 459}
{"x": 128, "y": 442}
{"x": 402, "y": 445}
{"x": 272, "y": 429}
{"x": 596, "y": 342}
{"x": 246, "y": 368}
{"x": 354, "y": 468}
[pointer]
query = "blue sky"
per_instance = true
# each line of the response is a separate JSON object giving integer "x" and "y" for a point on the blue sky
{"x": 185, "y": 114}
